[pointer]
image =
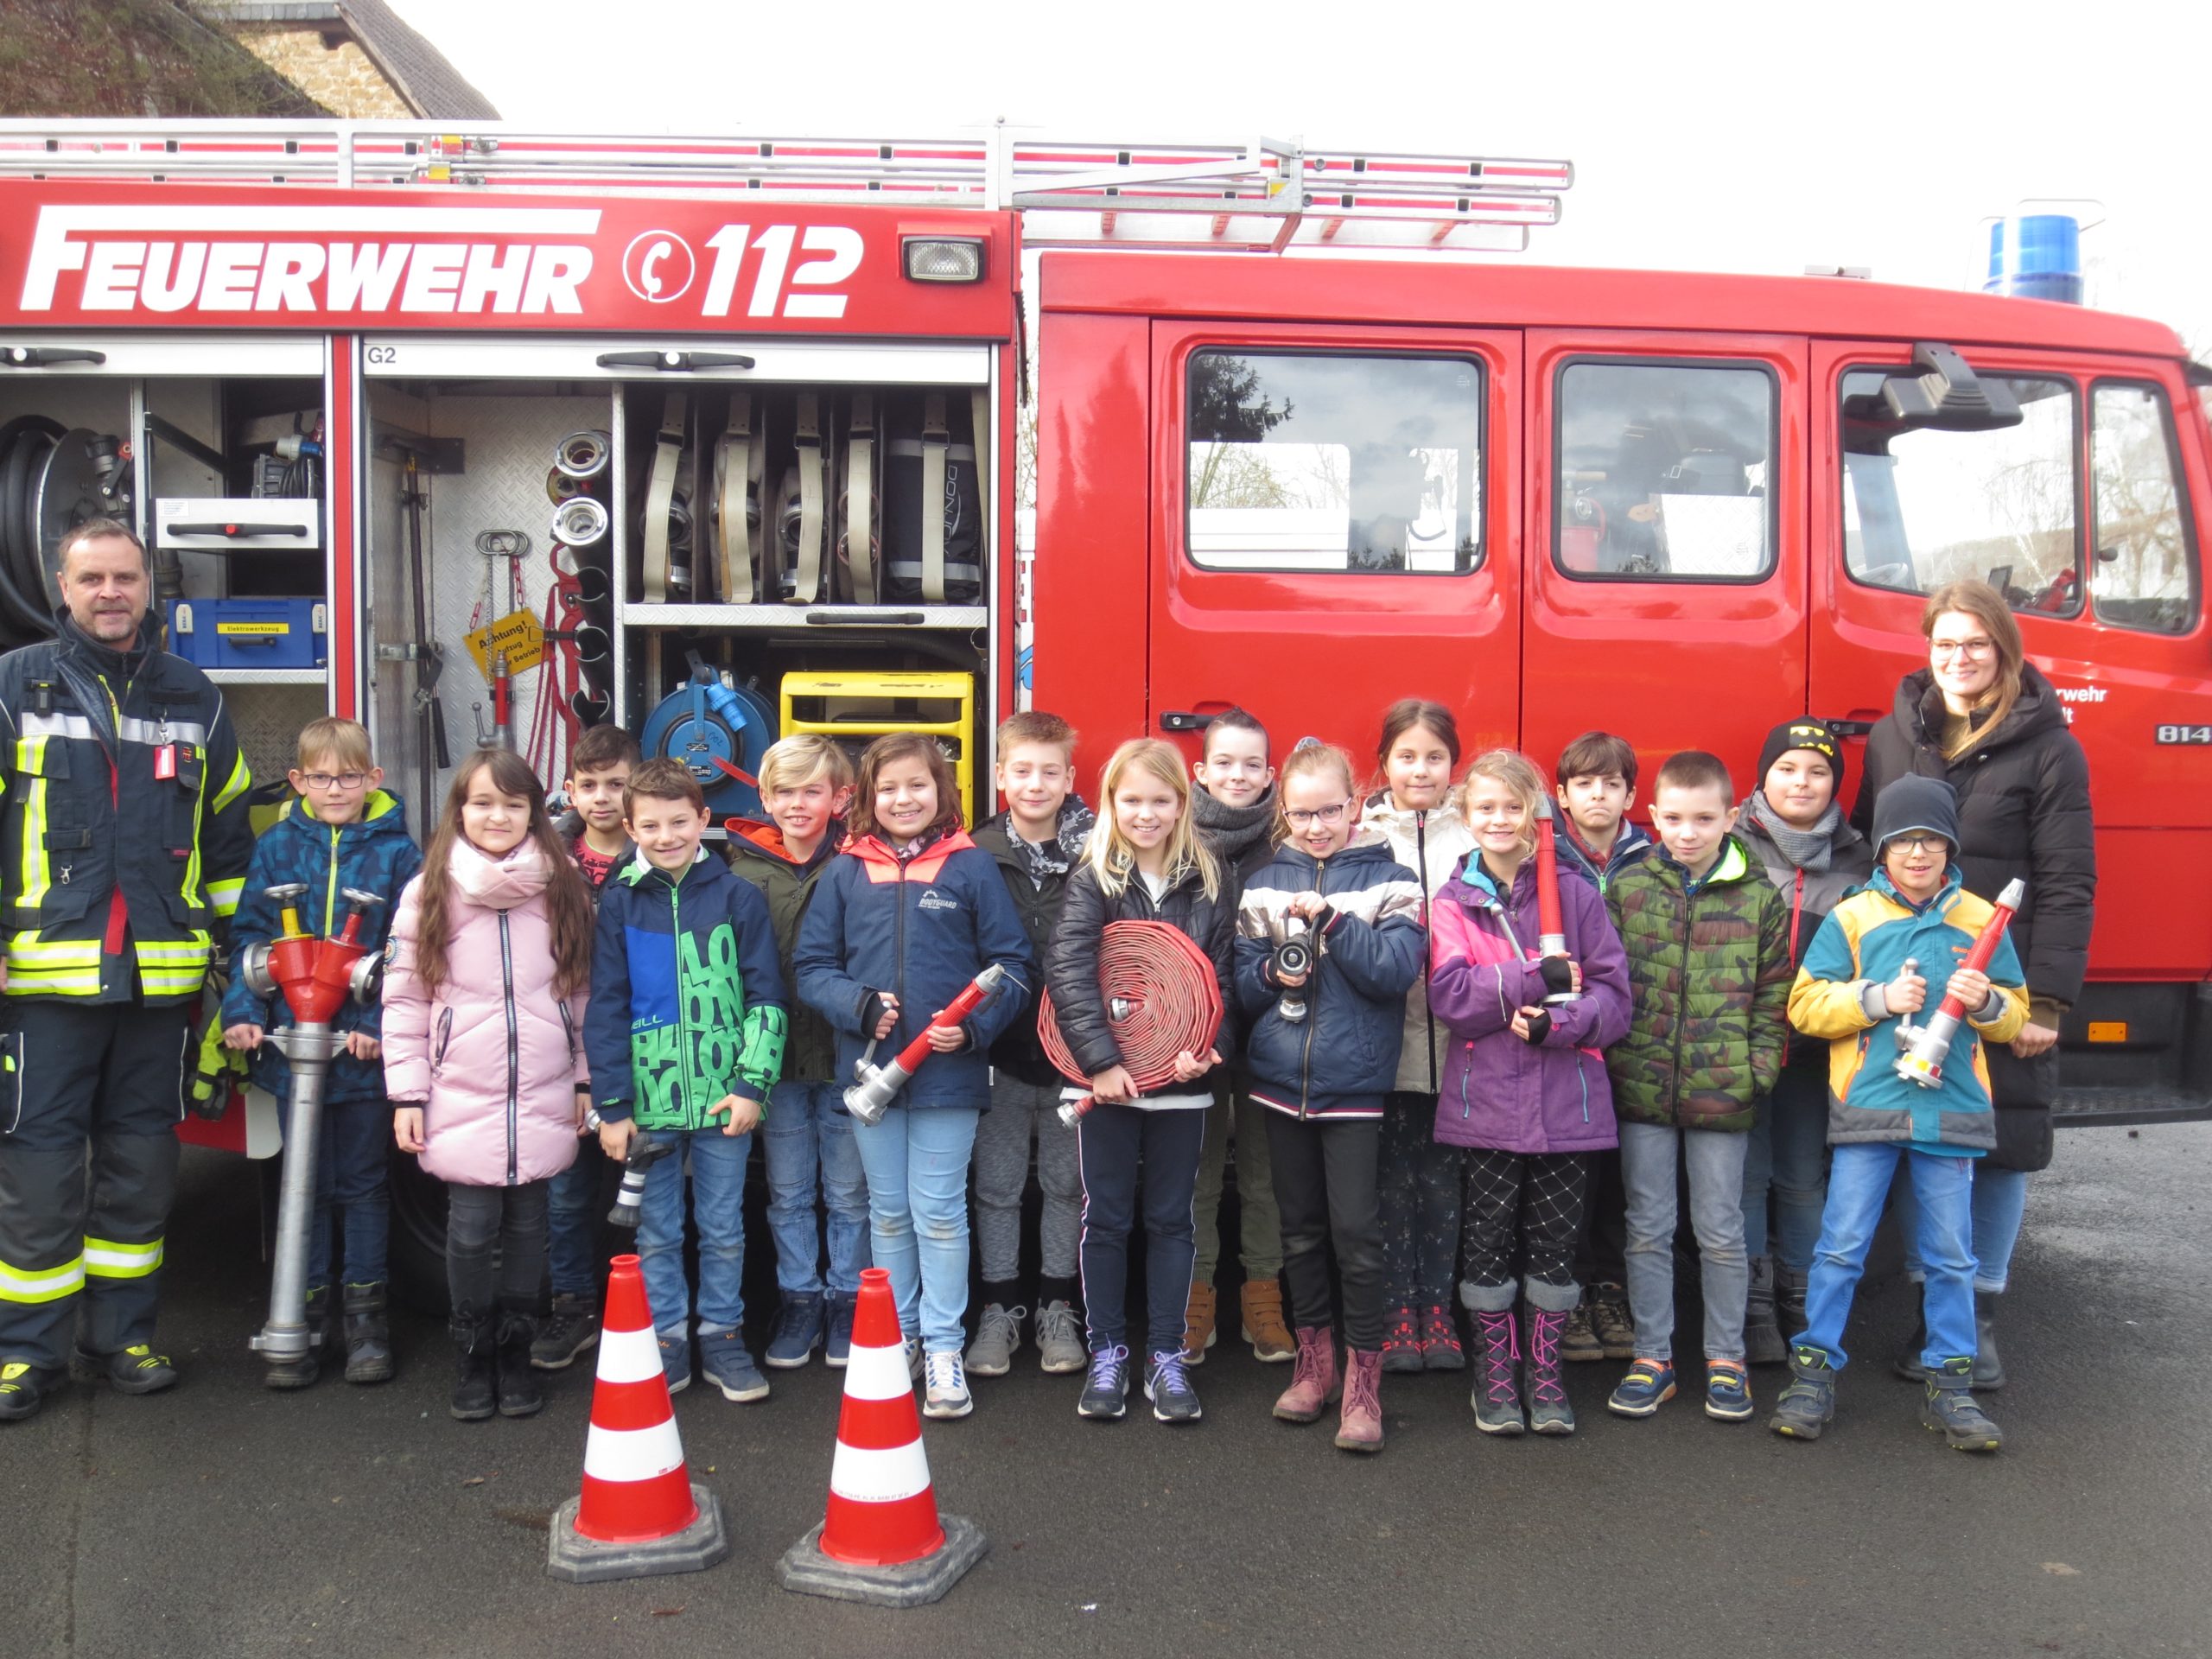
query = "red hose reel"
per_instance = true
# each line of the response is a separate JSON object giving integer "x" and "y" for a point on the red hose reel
{"x": 1162, "y": 998}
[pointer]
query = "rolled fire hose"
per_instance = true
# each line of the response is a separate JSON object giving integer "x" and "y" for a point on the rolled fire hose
{"x": 1162, "y": 1000}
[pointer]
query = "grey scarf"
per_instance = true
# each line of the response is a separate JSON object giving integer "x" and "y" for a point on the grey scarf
{"x": 1230, "y": 831}
{"x": 1061, "y": 853}
{"x": 1808, "y": 850}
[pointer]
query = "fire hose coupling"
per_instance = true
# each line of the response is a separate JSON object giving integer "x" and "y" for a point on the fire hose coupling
{"x": 877, "y": 1086}
{"x": 1926, "y": 1047}
{"x": 645, "y": 1152}
{"x": 583, "y": 454}
{"x": 579, "y": 521}
{"x": 1162, "y": 997}
{"x": 1293, "y": 959}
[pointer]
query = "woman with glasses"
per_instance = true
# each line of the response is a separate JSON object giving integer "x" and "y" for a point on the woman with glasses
{"x": 1984, "y": 719}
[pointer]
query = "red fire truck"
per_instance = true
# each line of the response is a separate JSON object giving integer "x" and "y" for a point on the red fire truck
{"x": 476, "y": 433}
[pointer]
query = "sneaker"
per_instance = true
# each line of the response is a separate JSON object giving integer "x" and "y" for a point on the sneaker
{"x": 1167, "y": 1385}
{"x": 1649, "y": 1385}
{"x": 135, "y": 1370}
{"x": 947, "y": 1395}
{"x": 1610, "y": 1319}
{"x": 24, "y": 1389}
{"x": 1059, "y": 1339}
{"x": 1106, "y": 1390}
{"x": 1727, "y": 1391}
{"x": 1579, "y": 1345}
{"x": 1402, "y": 1343}
{"x": 1949, "y": 1405}
{"x": 1440, "y": 1341}
{"x": 837, "y": 1338}
{"x": 998, "y": 1333}
{"x": 675, "y": 1363}
{"x": 914, "y": 1358}
{"x": 723, "y": 1357}
{"x": 799, "y": 1327}
{"x": 567, "y": 1330}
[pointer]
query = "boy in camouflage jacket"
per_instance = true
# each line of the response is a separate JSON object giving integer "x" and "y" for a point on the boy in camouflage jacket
{"x": 1707, "y": 941}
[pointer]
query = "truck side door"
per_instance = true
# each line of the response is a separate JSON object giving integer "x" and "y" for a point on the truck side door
{"x": 1665, "y": 597}
{"x": 1326, "y": 528}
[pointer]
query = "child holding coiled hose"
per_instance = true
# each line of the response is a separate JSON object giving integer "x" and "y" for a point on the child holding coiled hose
{"x": 1144, "y": 862}
{"x": 1322, "y": 1052}
{"x": 1524, "y": 1088}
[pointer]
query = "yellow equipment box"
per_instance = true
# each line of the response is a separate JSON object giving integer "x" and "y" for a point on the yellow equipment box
{"x": 860, "y": 706}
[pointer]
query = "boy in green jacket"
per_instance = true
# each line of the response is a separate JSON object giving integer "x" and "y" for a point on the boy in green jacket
{"x": 1707, "y": 939}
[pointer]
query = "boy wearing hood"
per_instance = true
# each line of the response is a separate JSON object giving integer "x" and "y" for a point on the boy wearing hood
{"x": 343, "y": 831}
{"x": 1793, "y": 822}
{"x": 1877, "y": 961}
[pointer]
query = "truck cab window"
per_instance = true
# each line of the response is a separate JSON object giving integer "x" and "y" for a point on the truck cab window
{"x": 1663, "y": 472}
{"x": 1312, "y": 462}
{"x": 2146, "y": 571}
{"x": 1924, "y": 506}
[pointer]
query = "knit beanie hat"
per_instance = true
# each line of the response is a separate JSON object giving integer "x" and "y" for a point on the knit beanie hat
{"x": 1923, "y": 805}
{"x": 1803, "y": 734}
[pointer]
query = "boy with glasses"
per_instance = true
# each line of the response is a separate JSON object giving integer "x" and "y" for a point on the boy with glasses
{"x": 343, "y": 831}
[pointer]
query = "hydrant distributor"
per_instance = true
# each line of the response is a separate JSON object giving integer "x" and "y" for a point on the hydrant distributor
{"x": 315, "y": 977}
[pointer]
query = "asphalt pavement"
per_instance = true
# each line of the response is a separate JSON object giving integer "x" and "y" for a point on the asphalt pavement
{"x": 224, "y": 1519}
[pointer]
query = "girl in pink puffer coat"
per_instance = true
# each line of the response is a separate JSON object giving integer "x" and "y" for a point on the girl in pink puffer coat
{"x": 484, "y": 989}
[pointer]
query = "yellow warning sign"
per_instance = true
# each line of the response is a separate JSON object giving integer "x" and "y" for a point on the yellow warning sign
{"x": 518, "y": 633}
{"x": 277, "y": 628}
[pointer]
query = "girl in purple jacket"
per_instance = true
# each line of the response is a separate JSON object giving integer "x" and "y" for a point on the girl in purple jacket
{"x": 1523, "y": 1090}
{"x": 484, "y": 989}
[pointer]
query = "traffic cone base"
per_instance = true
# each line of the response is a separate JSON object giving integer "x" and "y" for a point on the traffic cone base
{"x": 639, "y": 1513}
{"x": 882, "y": 1539}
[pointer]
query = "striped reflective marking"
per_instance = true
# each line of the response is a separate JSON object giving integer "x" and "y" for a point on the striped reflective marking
{"x": 105, "y": 1259}
{"x": 37, "y": 725}
{"x": 877, "y": 1374}
{"x": 880, "y": 1476}
{"x": 154, "y": 733}
{"x": 223, "y": 896}
{"x": 42, "y": 1284}
{"x": 30, "y": 758}
{"x": 85, "y": 983}
{"x": 628, "y": 1357}
{"x": 627, "y": 1454}
{"x": 236, "y": 784}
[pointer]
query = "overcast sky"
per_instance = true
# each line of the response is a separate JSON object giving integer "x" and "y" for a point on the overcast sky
{"x": 1717, "y": 135}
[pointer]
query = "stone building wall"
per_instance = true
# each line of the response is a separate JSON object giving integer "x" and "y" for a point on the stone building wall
{"x": 345, "y": 80}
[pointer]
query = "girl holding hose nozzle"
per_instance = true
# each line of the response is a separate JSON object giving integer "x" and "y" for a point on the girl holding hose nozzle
{"x": 903, "y": 919}
{"x": 1144, "y": 862}
{"x": 1322, "y": 1075}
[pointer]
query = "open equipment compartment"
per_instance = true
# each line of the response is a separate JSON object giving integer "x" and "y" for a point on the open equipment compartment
{"x": 212, "y": 448}
{"x": 651, "y": 614}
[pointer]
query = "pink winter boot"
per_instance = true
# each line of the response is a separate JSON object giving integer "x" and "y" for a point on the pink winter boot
{"x": 1313, "y": 1383}
{"x": 1360, "y": 1428}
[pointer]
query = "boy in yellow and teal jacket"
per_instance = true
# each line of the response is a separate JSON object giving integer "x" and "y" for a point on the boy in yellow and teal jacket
{"x": 1887, "y": 953}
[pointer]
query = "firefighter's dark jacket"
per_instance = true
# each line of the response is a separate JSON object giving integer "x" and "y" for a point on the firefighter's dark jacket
{"x": 119, "y": 772}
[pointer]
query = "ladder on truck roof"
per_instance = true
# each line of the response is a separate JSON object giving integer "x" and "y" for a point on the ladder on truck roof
{"x": 1265, "y": 195}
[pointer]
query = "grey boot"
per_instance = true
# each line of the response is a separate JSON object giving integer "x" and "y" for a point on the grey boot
{"x": 368, "y": 1334}
{"x": 1789, "y": 1287}
{"x": 1763, "y": 1343}
{"x": 1807, "y": 1405}
{"x": 1949, "y": 1405}
{"x": 1988, "y": 1367}
{"x": 301, "y": 1372}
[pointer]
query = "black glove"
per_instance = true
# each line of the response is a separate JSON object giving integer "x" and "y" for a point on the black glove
{"x": 1540, "y": 1025}
{"x": 1558, "y": 974}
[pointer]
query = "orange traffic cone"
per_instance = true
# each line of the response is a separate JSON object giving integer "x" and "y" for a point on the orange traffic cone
{"x": 882, "y": 1539}
{"x": 639, "y": 1513}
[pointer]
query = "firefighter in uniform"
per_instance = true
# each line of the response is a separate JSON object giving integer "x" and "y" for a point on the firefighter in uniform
{"x": 124, "y": 842}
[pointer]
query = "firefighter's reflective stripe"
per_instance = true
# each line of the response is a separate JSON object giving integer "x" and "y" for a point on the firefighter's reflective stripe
{"x": 236, "y": 784}
{"x": 53, "y": 967}
{"x": 173, "y": 967}
{"x": 223, "y": 896}
{"x": 34, "y": 724}
{"x": 45, "y": 1284}
{"x": 30, "y": 760}
{"x": 105, "y": 1259}
{"x": 154, "y": 733}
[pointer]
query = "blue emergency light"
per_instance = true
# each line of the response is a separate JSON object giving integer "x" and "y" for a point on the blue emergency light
{"x": 2035, "y": 256}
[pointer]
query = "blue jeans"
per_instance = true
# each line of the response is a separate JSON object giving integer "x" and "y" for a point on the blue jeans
{"x": 2000, "y": 1199}
{"x": 352, "y": 1143}
{"x": 717, "y": 1163}
{"x": 807, "y": 1130}
{"x": 1715, "y": 1161}
{"x": 916, "y": 1164}
{"x": 1788, "y": 1156}
{"x": 1859, "y": 1186}
{"x": 572, "y": 1244}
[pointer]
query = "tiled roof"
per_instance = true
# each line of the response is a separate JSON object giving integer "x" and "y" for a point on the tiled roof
{"x": 417, "y": 70}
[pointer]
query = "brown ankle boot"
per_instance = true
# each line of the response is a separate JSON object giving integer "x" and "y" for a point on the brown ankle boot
{"x": 1359, "y": 1428}
{"x": 1261, "y": 1303}
{"x": 1313, "y": 1384}
{"x": 1199, "y": 1333}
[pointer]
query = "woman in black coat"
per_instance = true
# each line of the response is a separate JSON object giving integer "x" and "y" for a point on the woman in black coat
{"x": 1984, "y": 718}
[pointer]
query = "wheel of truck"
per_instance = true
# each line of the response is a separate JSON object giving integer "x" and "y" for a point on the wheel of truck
{"x": 417, "y": 1255}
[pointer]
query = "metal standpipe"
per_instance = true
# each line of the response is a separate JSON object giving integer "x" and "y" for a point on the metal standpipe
{"x": 310, "y": 1049}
